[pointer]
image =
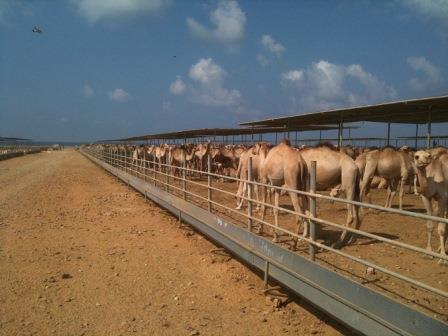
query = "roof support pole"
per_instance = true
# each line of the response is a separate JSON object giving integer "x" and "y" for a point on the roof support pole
{"x": 340, "y": 133}
{"x": 388, "y": 134}
{"x": 320, "y": 135}
{"x": 295, "y": 139}
{"x": 428, "y": 136}
{"x": 416, "y": 137}
{"x": 276, "y": 137}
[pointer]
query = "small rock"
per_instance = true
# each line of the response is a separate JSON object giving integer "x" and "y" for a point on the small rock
{"x": 194, "y": 333}
{"x": 66, "y": 276}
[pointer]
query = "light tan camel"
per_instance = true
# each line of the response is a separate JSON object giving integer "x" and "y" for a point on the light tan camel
{"x": 334, "y": 168}
{"x": 243, "y": 169}
{"x": 433, "y": 178}
{"x": 437, "y": 151}
{"x": 283, "y": 166}
{"x": 201, "y": 152}
{"x": 160, "y": 154}
{"x": 395, "y": 166}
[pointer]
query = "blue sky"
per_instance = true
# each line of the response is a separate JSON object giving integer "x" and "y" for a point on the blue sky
{"x": 106, "y": 69}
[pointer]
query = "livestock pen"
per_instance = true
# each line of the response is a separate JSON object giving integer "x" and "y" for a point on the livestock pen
{"x": 380, "y": 285}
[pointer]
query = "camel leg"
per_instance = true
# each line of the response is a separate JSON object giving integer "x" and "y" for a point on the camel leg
{"x": 415, "y": 185}
{"x": 299, "y": 209}
{"x": 257, "y": 196}
{"x": 429, "y": 224}
{"x": 401, "y": 193}
{"x": 241, "y": 192}
{"x": 276, "y": 203}
{"x": 441, "y": 230}
{"x": 263, "y": 207}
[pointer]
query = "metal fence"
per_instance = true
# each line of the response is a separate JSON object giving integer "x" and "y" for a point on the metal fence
{"x": 192, "y": 184}
{"x": 10, "y": 151}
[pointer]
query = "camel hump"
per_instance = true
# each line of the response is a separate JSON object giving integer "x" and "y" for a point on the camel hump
{"x": 286, "y": 142}
{"x": 328, "y": 145}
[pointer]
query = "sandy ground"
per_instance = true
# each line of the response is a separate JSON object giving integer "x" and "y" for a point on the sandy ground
{"x": 82, "y": 254}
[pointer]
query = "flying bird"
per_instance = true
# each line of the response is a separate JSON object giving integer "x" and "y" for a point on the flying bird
{"x": 36, "y": 29}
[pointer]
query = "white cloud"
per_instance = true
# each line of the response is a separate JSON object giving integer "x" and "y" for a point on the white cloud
{"x": 178, "y": 86}
{"x": 118, "y": 95}
{"x": 228, "y": 20}
{"x": 207, "y": 85}
{"x": 95, "y": 10}
{"x": 292, "y": 75}
{"x": 431, "y": 11}
{"x": 274, "y": 47}
{"x": 209, "y": 89}
{"x": 432, "y": 74}
{"x": 87, "y": 91}
{"x": 326, "y": 85}
{"x": 262, "y": 60}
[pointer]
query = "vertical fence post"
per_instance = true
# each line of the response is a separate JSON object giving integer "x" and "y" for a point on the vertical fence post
{"x": 167, "y": 162}
{"x": 312, "y": 248}
{"x": 209, "y": 182}
{"x": 184, "y": 182}
{"x": 249, "y": 194}
{"x": 154, "y": 167}
{"x": 126, "y": 160}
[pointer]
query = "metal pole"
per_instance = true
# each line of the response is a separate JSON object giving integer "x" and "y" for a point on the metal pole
{"x": 167, "y": 162}
{"x": 340, "y": 133}
{"x": 388, "y": 133}
{"x": 312, "y": 248}
{"x": 295, "y": 140}
{"x": 428, "y": 137}
{"x": 266, "y": 274}
{"x": 126, "y": 159}
{"x": 275, "y": 137}
{"x": 249, "y": 194}
{"x": 416, "y": 136}
{"x": 209, "y": 182}
{"x": 184, "y": 182}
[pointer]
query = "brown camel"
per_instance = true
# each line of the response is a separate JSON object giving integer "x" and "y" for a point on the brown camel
{"x": 181, "y": 156}
{"x": 283, "y": 166}
{"x": 433, "y": 179}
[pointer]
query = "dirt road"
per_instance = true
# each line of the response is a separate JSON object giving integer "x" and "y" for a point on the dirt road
{"x": 82, "y": 254}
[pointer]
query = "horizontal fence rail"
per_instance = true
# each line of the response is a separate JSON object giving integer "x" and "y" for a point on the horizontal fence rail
{"x": 159, "y": 177}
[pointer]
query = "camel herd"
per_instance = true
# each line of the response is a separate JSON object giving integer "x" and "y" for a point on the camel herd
{"x": 348, "y": 172}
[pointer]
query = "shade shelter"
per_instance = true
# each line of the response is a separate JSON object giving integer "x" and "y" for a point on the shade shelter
{"x": 415, "y": 111}
{"x": 224, "y": 132}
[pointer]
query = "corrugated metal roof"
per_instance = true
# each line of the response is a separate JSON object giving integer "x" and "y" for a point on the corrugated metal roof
{"x": 209, "y": 132}
{"x": 416, "y": 111}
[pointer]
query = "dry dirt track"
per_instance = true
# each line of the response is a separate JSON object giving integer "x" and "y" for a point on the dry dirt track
{"x": 82, "y": 254}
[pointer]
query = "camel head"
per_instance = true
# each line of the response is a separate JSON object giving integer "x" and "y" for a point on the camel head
{"x": 261, "y": 147}
{"x": 422, "y": 158}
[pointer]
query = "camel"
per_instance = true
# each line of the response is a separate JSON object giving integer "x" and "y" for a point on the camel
{"x": 395, "y": 166}
{"x": 138, "y": 157}
{"x": 243, "y": 168}
{"x": 181, "y": 156}
{"x": 433, "y": 178}
{"x": 160, "y": 154}
{"x": 283, "y": 166}
{"x": 334, "y": 168}
{"x": 202, "y": 150}
{"x": 437, "y": 151}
